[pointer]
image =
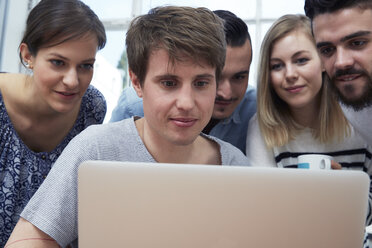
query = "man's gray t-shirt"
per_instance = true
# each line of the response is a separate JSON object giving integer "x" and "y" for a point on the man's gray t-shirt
{"x": 53, "y": 208}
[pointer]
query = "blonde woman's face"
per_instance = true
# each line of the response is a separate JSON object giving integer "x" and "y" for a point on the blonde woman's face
{"x": 296, "y": 70}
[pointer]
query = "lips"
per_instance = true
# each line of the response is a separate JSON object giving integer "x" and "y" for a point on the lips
{"x": 183, "y": 122}
{"x": 295, "y": 89}
{"x": 224, "y": 103}
{"x": 348, "y": 78}
{"x": 65, "y": 94}
{"x": 348, "y": 75}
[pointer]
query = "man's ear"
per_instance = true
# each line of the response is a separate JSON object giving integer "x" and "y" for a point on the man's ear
{"x": 27, "y": 57}
{"x": 136, "y": 83}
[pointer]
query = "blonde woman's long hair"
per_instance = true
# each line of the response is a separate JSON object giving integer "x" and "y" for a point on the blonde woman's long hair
{"x": 274, "y": 117}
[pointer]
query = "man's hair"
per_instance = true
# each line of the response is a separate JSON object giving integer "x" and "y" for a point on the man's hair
{"x": 184, "y": 32}
{"x": 316, "y": 7}
{"x": 274, "y": 117}
{"x": 236, "y": 30}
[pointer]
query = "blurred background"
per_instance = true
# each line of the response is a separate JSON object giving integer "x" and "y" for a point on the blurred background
{"x": 110, "y": 75}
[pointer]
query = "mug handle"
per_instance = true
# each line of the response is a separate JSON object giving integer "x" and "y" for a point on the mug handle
{"x": 325, "y": 164}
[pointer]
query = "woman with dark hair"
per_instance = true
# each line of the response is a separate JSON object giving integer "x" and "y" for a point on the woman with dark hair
{"x": 41, "y": 112}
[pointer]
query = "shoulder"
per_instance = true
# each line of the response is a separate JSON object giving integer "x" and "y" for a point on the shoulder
{"x": 254, "y": 138}
{"x": 361, "y": 118}
{"x": 253, "y": 134}
{"x": 128, "y": 97}
{"x": 354, "y": 139}
{"x": 129, "y": 104}
{"x": 102, "y": 136}
{"x": 93, "y": 106}
{"x": 94, "y": 97}
{"x": 248, "y": 105}
{"x": 230, "y": 155}
{"x": 253, "y": 126}
{"x": 250, "y": 95}
{"x": 10, "y": 83}
{"x": 114, "y": 129}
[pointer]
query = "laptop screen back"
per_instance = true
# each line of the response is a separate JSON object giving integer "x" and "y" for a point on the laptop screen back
{"x": 140, "y": 205}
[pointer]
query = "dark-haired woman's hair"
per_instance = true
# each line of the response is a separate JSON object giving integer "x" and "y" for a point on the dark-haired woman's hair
{"x": 52, "y": 22}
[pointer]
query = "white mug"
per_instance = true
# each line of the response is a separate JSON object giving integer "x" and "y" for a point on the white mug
{"x": 314, "y": 161}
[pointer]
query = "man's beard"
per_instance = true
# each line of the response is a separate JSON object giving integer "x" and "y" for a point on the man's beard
{"x": 365, "y": 100}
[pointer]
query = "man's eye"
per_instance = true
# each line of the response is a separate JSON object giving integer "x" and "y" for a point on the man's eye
{"x": 201, "y": 83}
{"x": 240, "y": 77}
{"x": 169, "y": 83}
{"x": 358, "y": 43}
{"x": 326, "y": 51}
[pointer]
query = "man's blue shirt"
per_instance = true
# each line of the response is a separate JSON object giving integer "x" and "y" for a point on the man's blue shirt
{"x": 232, "y": 129}
{"x": 129, "y": 104}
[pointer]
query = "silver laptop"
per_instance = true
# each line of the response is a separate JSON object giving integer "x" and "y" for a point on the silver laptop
{"x": 139, "y": 205}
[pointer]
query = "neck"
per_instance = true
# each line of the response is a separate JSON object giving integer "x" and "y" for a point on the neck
{"x": 211, "y": 124}
{"x": 164, "y": 151}
{"x": 307, "y": 116}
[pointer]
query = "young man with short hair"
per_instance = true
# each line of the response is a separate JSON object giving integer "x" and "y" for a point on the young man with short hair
{"x": 235, "y": 101}
{"x": 343, "y": 33}
{"x": 176, "y": 55}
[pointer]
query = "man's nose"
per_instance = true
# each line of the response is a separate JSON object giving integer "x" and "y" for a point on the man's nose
{"x": 344, "y": 60}
{"x": 224, "y": 89}
{"x": 185, "y": 98}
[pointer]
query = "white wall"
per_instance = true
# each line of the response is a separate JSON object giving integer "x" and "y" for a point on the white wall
{"x": 13, "y": 30}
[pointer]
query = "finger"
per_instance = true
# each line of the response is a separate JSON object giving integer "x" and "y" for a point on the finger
{"x": 335, "y": 165}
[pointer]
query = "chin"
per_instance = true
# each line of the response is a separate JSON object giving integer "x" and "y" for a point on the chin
{"x": 184, "y": 141}
{"x": 220, "y": 116}
{"x": 63, "y": 110}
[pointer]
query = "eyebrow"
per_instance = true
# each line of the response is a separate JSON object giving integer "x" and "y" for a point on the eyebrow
{"x": 64, "y": 58}
{"x": 294, "y": 55}
{"x": 343, "y": 39}
{"x": 242, "y": 72}
{"x": 354, "y": 35}
{"x": 300, "y": 52}
{"x": 171, "y": 76}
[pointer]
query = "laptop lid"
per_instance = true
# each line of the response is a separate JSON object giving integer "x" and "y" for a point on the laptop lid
{"x": 141, "y": 205}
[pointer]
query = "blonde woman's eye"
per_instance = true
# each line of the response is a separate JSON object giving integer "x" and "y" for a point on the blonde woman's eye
{"x": 276, "y": 67}
{"x": 302, "y": 60}
{"x": 87, "y": 66}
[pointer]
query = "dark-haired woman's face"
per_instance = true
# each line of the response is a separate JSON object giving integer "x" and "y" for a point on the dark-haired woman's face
{"x": 62, "y": 73}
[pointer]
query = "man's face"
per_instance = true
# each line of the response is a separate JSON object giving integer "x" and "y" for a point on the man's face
{"x": 234, "y": 80}
{"x": 344, "y": 41}
{"x": 178, "y": 99}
